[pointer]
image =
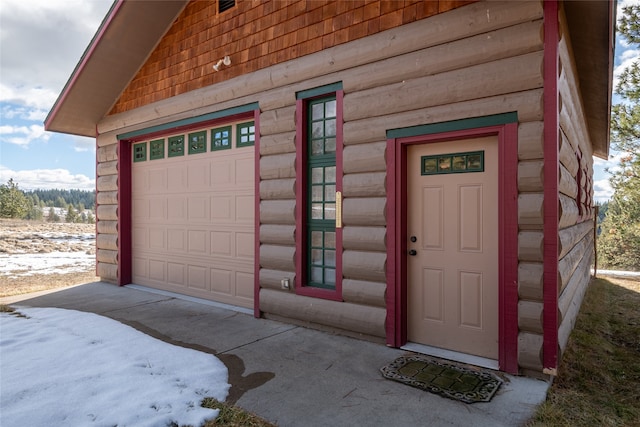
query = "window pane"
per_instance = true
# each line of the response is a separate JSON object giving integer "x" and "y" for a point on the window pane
{"x": 317, "y": 111}
{"x": 330, "y": 211}
{"x": 459, "y": 163}
{"x": 330, "y": 276}
{"x": 317, "y": 175}
{"x": 330, "y": 145}
{"x": 330, "y": 258}
{"x": 475, "y": 161}
{"x": 331, "y": 108}
{"x": 444, "y": 163}
{"x": 316, "y": 211}
{"x": 330, "y": 174}
{"x": 330, "y": 193}
{"x": 316, "y": 274}
{"x": 317, "y": 147}
{"x": 317, "y": 130}
{"x": 330, "y": 240}
{"x": 316, "y": 239}
{"x": 316, "y": 194}
{"x": 330, "y": 128}
{"x": 316, "y": 256}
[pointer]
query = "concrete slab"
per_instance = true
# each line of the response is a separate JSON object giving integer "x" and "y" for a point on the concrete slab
{"x": 291, "y": 375}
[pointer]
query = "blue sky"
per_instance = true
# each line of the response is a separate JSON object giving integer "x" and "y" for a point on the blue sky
{"x": 41, "y": 41}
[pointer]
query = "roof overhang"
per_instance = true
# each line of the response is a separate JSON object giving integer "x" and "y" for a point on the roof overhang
{"x": 132, "y": 29}
{"x": 127, "y": 36}
{"x": 592, "y": 27}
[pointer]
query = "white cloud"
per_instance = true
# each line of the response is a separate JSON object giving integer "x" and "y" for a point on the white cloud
{"x": 42, "y": 41}
{"x": 46, "y": 179}
{"x": 82, "y": 144}
{"x": 602, "y": 190}
{"x": 23, "y": 135}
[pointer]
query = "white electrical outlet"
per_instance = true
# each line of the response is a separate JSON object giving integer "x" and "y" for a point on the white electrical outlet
{"x": 285, "y": 283}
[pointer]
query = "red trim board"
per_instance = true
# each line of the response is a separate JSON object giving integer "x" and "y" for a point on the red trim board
{"x": 551, "y": 137}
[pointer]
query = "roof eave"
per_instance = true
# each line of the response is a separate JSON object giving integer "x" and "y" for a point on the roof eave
{"x": 592, "y": 31}
{"x": 125, "y": 39}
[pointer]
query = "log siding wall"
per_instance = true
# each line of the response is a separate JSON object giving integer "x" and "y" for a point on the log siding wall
{"x": 576, "y": 193}
{"x": 443, "y": 70}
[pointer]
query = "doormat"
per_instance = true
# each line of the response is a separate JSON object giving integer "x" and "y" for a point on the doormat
{"x": 445, "y": 379}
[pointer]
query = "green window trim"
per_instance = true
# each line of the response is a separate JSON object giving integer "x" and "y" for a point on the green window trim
{"x": 156, "y": 149}
{"x": 472, "y": 161}
{"x": 176, "y": 146}
{"x": 453, "y": 125}
{"x": 140, "y": 152}
{"x": 198, "y": 142}
{"x": 245, "y": 134}
{"x": 321, "y": 192}
{"x": 221, "y": 138}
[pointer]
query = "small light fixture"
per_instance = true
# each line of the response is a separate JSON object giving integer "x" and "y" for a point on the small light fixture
{"x": 226, "y": 61}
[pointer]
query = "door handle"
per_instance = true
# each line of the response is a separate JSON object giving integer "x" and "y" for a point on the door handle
{"x": 338, "y": 209}
{"x": 413, "y": 252}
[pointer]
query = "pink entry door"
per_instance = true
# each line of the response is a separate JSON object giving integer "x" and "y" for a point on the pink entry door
{"x": 452, "y": 262}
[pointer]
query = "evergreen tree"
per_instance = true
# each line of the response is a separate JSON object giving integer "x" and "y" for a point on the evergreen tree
{"x": 13, "y": 202}
{"x": 72, "y": 215}
{"x": 619, "y": 242}
{"x": 53, "y": 216}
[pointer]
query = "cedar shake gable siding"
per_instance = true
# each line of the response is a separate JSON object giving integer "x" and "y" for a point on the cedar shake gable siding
{"x": 257, "y": 35}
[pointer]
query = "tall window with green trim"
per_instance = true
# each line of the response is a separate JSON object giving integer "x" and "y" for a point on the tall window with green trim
{"x": 321, "y": 193}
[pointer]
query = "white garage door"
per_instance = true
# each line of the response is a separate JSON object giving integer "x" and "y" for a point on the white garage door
{"x": 193, "y": 214}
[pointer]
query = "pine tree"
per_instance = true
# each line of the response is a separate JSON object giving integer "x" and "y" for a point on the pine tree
{"x": 72, "y": 215}
{"x": 619, "y": 242}
{"x": 13, "y": 202}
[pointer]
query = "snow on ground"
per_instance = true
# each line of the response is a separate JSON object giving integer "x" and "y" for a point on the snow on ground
{"x": 54, "y": 262}
{"x": 65, "y": 367}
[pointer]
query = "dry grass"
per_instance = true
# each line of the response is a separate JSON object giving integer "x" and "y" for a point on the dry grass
{"x": 20, "y": 285}
{"x": 232, "y": 416}
{"x": 599, "y": 376}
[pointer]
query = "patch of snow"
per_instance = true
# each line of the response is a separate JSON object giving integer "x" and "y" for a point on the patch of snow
{"x": 618, "y": 273}
{"x": 65, "y": 367}
{"x": 55, "y": 262}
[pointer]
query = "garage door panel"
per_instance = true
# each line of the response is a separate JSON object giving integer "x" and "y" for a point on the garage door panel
{"x": 157, "y": 208}
{"x": 198, "y": 243}
{"x": 244, "y": 285}
{"x": 198, "y": 176}
{"x": 221, "y": 208}
{"x": 221, "y": 173}
{"x": 157, "y": 270}
{"x": 157, "y": 181}
{"x": 244, "y": 208}
{"x": 244, "y": 172}
{"x": 176, "y": 178}
{"x": 221, "y": 243}
{"x": 176, "y": 240}
{"x": 177, "y": 209}
{"x": 176, "y": 273}
{"x": 245, "y": 245}
{"x": 221, "y": 281}
{"x": 157, "y": 240}
{"x": 139, "y": 238}
{"x": 198, "y": 277}
{"x": 140, "y": 267}
{"x": 193, "y": 224}
{"x": 140, "y": 210}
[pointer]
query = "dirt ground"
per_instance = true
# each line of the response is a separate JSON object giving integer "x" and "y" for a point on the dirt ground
{"x": 22, "y": 238}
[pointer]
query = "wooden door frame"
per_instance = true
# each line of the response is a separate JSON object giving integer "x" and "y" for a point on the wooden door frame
{"x": 505, "y": 128}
